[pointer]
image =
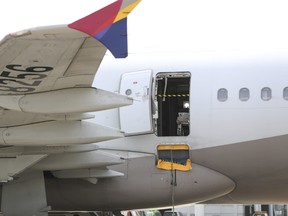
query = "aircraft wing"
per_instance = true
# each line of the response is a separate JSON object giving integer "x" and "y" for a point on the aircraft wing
{"x": 46, "y": 59}
{"x": 50, "y": 58}
{"x": 46, "y": 77}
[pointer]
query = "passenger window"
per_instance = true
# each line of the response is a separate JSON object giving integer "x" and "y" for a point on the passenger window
{"x": 222, "y": 95}
{"x": 285, "y": 93}
{"x": 266, "y": 94}
{"x": 244, "y": 94}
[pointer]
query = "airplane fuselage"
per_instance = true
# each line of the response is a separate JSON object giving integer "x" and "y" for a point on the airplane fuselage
{"x": 237, "y": 136}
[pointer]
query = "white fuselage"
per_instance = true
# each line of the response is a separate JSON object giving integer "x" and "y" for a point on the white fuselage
{"x": 237, "y": 136}
{"x": 215, "y": 122}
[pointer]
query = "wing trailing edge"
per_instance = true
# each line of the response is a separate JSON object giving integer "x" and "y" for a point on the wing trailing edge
{"x": 109, "y": 26}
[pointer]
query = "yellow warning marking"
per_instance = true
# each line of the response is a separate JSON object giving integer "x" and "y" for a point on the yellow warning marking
{"x": 125, "y": 11}
{"x": 169, "y": 165}
{"x": 173, "y": 147}
{"x": 173, "y": 95}
{"x": 166, "y": 165}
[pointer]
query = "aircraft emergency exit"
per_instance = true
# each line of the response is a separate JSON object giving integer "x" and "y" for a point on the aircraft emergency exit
{"x": 83, "y": 129}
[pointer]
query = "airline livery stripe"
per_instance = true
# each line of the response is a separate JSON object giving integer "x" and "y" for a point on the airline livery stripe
{"x": 109, "y": 26}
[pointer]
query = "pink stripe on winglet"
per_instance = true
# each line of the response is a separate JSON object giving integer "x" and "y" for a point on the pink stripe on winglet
{"x": 99, "y": 20}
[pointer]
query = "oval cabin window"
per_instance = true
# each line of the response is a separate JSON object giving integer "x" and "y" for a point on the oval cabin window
{"x": 266, "y": 94}
{"x": 222, "y": 95}
{"x": 285, "y": 93}
{"x": 244, "y": 94}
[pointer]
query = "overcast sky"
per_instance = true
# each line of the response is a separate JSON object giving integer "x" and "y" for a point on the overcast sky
{"x": 169, "y": 24}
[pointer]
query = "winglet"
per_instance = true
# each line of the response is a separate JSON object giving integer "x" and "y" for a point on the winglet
{"x": 109, "y": 26}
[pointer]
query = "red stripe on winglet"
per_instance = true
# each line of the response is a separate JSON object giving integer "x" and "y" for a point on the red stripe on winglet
{"x": 99, "y": 20}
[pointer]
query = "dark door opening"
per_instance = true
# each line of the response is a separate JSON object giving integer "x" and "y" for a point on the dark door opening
{"x": 173, "y": 100}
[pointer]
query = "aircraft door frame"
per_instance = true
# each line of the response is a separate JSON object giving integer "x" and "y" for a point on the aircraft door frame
{"x": 172, "y": 99}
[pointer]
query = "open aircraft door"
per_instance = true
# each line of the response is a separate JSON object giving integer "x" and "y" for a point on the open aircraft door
{"x": 137, "y": 118}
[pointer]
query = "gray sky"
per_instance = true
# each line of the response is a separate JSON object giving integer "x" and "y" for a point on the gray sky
{"x": 169, "y": 24}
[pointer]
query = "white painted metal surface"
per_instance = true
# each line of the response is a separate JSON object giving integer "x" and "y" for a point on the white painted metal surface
{"x": 73, "y": 100}
{"x": 57, "y": 133}
{"x": 199, "y": 210}
{"x": 87, "y": 173}
{"x": 13, "y": 166}
{"x": 137, "y": 118}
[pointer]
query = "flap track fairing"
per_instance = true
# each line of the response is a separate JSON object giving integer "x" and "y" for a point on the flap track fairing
{"x": 73, "y": 100}
{"x": 63, "y": 133}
